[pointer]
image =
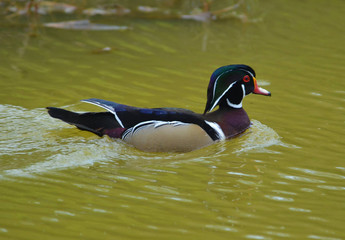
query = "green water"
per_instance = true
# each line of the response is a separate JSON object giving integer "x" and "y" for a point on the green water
{"x": 283, "y": 179}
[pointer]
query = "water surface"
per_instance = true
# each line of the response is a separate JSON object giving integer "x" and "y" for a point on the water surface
{"x": 282, "y": 179}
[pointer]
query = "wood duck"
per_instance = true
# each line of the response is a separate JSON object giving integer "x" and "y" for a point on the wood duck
{"x": 175, "y": 129}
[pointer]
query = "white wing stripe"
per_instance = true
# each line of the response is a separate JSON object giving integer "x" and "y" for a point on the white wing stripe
{"x": 155, "y": 123}
{"x": 118, "y": 119}
{"x": 106, "y": 107}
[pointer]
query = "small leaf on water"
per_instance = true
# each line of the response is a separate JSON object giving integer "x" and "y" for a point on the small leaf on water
{"x": 102, "y": 50}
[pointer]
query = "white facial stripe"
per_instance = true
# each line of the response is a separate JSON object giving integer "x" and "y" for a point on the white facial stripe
{"x": 214, "y": 90}
{"x": 251, "y": 74}
{"x": 215, "y": 82}
{"x": 216, "y": 102}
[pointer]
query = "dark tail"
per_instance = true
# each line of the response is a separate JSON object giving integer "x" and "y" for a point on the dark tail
{"x": 95, "y": 122}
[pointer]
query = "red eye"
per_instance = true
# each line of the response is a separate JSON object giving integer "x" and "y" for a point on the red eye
{"x": 246, "y": 78}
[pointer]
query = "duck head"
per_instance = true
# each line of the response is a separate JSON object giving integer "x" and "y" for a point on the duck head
{"x": 230, "y": 84}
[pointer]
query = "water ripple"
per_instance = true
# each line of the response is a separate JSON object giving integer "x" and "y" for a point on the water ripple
{"x": 319, "y": 173}
{"x": 259, "y": 138}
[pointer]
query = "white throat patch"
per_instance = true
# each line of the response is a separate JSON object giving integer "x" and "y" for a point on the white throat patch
{"x": 233, "y": 105}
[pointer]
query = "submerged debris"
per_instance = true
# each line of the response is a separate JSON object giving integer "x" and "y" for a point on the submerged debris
{"x": 198, "y": 14}
{"x": 45, "y": 7}
{"x": 34, "y": 8}
{"x": 147, "y": 9}
{"x": 42, "y": 8}
{"x": 84, "y": 25}
{"x": 206, "y": 14}
{"x": 105, "y": 11}
{"x": 201, "y": 17}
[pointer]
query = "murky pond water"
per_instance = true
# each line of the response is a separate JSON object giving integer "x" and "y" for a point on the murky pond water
{"x": 283, "y": 179}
